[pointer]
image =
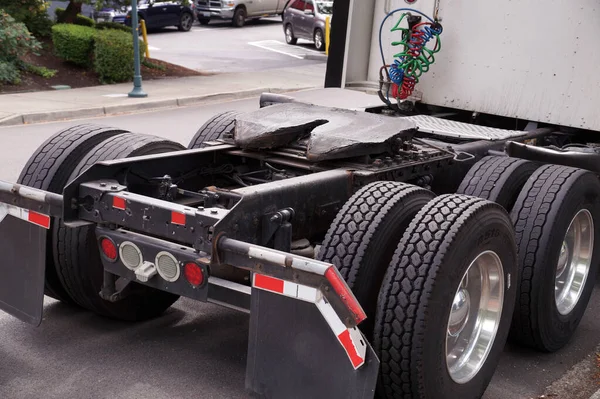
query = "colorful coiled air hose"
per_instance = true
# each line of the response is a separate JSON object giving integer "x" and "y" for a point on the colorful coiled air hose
{"x": 415, "y": 58}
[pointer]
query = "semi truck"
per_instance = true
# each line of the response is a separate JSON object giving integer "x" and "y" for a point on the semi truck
{"x": 388, "y": 250}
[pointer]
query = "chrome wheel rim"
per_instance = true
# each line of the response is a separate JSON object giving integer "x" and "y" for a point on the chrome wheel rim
{"x": 474, "y": 317}
{"x": 288, "y": 34}
{"x": 318, "y": 40}
{"x": 574, "y": 262}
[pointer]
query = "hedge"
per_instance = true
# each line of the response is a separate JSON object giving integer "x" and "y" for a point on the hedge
{"x": 74, "y": 43}
{"x": 113, "y": 25}
{"x": 79, "y": 19}
{"x": 113, "y": 55}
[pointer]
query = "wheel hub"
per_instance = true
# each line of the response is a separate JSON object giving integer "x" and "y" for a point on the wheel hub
{"x": 459, "y": 315}
{"x": 574, "y": 262}
{"x": 474, "y": 317}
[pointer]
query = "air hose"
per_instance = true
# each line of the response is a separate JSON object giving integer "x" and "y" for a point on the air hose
{"x": 415, "y": 58}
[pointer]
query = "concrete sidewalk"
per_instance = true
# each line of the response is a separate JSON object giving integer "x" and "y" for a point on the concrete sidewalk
{"x": 54, "y": 105}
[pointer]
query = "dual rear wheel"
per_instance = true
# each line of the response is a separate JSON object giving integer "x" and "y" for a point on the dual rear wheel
{"x": 556, "y": 215}
{"x": 433, "y": 275}
{"x": 74, "y": 272}
{"x": 446, "y": 281}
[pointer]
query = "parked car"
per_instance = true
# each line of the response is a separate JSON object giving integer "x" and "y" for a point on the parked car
{"x": 160, "y": 14}
{"x": 114, "y": 13}
{"x": 237, "y": 11}
{"x": 305, "y": 19}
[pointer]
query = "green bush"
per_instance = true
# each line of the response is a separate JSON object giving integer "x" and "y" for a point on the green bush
{"x": 79, "y": 20}
{"x": 113, "y": 55}
{"x": 33, "y": 13}
{"x": 84, "y": 21}
{"x": 15, "y": 42}
{"x": 41, "y": 71}
{"x": 74, "y": 43}
{"x": 152, "y": 65}
{"x": 113, "y": 25}
{"x": 9, "y": 73}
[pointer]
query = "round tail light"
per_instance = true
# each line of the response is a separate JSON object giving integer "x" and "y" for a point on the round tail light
{"x": 167, "y": 266}
{"x": 131, "y": 256}
{"x": 193, "y": 274}
{"x": 109, "y": 249}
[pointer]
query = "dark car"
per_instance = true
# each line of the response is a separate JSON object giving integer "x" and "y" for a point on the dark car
{"x": 305, "y": 19}
{"x": 160, "y": 14}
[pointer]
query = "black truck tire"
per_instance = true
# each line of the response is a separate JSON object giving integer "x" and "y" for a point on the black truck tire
{"x": 498, "y": 179}
{"x": 364, "y": 235}
{"x": 542, "y": 215}
{"x": 424, "y": 284}
{"x": 49, "y": 168}
{"x": 217, "y": 127}
{"x": 239, "y": 17}
{"x": 77, "y": 257}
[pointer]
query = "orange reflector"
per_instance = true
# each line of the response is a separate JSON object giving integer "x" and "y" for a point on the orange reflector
{"x": 119, "y": 203}
{"x": 178, "y": 218}
{"x": 345, "y": 295}
{"x": 39, "y": 219}
{"x": 269, "y": 283}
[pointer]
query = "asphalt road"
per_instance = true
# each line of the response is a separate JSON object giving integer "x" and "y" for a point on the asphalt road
{"x": 219, "y": 47}
{"x": 198, "y": 350}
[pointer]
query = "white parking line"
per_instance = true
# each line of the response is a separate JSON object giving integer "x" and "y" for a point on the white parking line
{"x": 268, "y": 45}
{"x": 152, "y": 48}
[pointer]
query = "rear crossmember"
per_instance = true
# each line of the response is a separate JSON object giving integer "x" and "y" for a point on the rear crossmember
{"x": 314, "y": 287}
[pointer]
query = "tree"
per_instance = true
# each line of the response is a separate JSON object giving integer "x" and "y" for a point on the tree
{"x": 74, "y": 8}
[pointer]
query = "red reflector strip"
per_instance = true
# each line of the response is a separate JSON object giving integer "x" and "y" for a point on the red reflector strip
{"x": 346, "y": 341}
{"x": 39, "y": 219}
{"x": 119, "y": 203}
{"x": 345, "y": 295}
{"x": 269, "y": 283}
{"x": 178, "y": 218}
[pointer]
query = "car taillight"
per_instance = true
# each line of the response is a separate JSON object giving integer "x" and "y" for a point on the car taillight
{"x": 193, "y": 274}
{"x": 109, "y": 249}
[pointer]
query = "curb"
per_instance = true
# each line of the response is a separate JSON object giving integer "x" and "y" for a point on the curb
{"x": 110, "y": 110}
{"x": 315, "y": 57}
{"x": 596, "y": 395}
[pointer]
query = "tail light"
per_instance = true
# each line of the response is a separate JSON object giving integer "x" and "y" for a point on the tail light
{"x": 193, "y": 274}
{"x": 131, "y": 256}
{"x": 109, "y": 249}
{"x": 167, "y": 266}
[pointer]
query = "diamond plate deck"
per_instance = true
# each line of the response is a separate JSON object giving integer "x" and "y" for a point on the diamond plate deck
{"x": 447, "y": 128}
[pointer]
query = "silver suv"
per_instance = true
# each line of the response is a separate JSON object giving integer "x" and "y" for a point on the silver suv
{"x": 237, "y": 11}
{"x": 305, "y": 19}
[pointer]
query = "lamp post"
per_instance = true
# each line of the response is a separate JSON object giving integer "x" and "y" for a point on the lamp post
{"x": 137, "y": 76}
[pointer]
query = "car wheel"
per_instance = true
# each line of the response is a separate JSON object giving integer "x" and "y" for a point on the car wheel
{"x": 289, "y": 35}
{"x": 239, "y": 17}
{"x": 319, "y": 40}
{"x": 186, "y": 20}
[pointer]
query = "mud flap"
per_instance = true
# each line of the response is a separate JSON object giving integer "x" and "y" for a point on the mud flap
{"x": 293, "y": 353}
{"x": 22, "y": 268}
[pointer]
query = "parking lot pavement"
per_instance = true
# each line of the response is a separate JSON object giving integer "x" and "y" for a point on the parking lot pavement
{"x": 219, "y": 47}
{"x": 199, "y": 350}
